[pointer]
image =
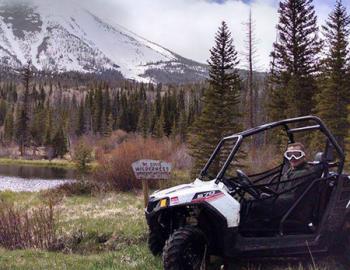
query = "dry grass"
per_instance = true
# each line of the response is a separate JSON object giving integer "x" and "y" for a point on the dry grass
{"x": 81, "y": 187}
{"x": 35, "y": 228}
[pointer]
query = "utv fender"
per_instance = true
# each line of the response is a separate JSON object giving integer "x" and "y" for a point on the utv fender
{"x": 210, "y": 220}
{"x": 214, "y": 214}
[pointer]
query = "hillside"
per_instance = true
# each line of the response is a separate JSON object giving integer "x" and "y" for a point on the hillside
{"x": 61, "y": 36}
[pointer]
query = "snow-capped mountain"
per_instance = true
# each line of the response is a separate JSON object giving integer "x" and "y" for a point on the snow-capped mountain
{"x": 62, "y": 36}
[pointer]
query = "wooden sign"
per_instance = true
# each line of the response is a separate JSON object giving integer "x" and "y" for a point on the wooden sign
{"x": 150, "y": 170}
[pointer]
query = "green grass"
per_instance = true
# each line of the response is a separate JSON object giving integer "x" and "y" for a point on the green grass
{"x": 116, "y": 217}
{"x": 128, "y": 257}
{"x": 23, "y": 200}
{"x": 39, "y": 163}
{"x": 113, "y": 232}
{"x": 57, "y": 163}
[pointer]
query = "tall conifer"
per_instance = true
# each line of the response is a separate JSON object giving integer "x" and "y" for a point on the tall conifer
{"x": 220, "y": 116}
{"x": 9, "y": 126}
{"x": 295, "y": 60}
{"x": 81, "y": 121}
{"x": 333, "y": 99}
{"x": 22, "y": 118}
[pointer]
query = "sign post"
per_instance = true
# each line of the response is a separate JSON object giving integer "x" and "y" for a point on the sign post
{"x": 147, "y": 169}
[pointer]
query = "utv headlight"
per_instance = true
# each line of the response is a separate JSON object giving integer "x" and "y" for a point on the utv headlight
{"x": 163, "y": 203}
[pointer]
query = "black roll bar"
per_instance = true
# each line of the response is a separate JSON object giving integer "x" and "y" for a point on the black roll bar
{"x": 319, "y": 125}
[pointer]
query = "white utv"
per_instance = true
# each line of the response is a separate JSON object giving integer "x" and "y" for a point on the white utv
{"x": 235, "y": 215}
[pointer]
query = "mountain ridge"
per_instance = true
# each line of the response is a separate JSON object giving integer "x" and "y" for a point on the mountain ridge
{"x": 78, "y": 40}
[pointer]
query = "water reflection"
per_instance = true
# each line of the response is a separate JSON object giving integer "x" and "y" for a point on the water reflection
{"x": 33, "y": 172}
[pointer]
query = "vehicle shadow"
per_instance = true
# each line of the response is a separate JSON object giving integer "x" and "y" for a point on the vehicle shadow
{"x": 318, "y": 263}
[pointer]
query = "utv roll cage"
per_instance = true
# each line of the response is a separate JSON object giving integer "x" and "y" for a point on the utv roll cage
{"x": 317, "y": 124}
{"x": 253, "y": 216}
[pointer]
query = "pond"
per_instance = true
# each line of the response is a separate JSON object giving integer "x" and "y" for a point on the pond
{"x": 27, "y": 178}
{"x": 32, "y": 172}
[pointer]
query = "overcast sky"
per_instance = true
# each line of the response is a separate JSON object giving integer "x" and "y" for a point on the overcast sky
{"x": 187, "y": 27}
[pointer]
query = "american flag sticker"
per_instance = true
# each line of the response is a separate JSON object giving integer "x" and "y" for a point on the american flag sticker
{"x": 174, "y": 200}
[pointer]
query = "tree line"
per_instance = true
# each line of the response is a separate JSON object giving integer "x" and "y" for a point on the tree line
{"x": 34, "y": 115}
{"x": 309, "y": 75}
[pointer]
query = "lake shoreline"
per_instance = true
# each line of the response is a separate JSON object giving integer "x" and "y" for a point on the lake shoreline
{"x": 57, "y": 163}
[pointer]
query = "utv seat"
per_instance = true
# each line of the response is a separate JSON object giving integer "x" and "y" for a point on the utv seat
{"x": 305, "y": 214}
{"x": 308, "y": 213}
{"x": 262, "y": 217}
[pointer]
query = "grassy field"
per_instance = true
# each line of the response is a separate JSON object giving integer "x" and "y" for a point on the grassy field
{"x": 108, "y": 231}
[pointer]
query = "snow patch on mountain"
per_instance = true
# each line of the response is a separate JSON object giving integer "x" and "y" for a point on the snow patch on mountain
{"x": 62, "y": 36}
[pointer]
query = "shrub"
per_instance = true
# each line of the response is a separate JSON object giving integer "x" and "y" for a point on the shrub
{"x": 115, "y": 169}
{"x": 34, "y": 228}
{"x": 181, "y": 159}
{"x": 110, "y": 143}
{"x": 78, "y": 188}
{"x": 82, "y": 156}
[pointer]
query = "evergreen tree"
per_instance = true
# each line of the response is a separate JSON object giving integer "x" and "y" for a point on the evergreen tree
{"x": 107, "y": 104}
{"x": 21, "y": 129}
{"x": 82, "y": 156}
{"x": 48, "y": 127}
{"x": 109, "y": 126}
{"x": 194, "y": 108}
{"x": 36, "y": 127}
{"x": 59, "y": 143}
{"x": 103, "y": 129}
{"x": 220, "y": 115}
{"x": 9, "y": 126}
{"x": 98, "y": 110}
{"x": 22, "y": 118}
{"x": 115, "y": 111}
{"x": 182, "y": 126}
{"x": 81, "y": 121}
{"x": 157, "y": 108}
{"x": 124, "y": 118}
{"x": 158, "y": 130}
{"x": 143, "y": 122}
{"x": 333, "y": 99}
{"x": 3, "y": 110}
{"x": 42, "y": 96}
{"x": 295, "y": 60}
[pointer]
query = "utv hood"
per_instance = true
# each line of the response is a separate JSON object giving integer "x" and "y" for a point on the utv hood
{"x": 199, "y": 191}
{"x": 187, "y": 190}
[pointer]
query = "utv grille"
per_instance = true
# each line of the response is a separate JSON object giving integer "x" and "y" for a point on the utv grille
{"x": 151, "y": 205}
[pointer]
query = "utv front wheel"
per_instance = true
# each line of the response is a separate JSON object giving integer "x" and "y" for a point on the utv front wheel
{"x": 186, "y": 249}
{"x": 156, "y": 242}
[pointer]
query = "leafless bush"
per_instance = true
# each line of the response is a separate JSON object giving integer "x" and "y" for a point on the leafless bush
{"x": 34, "y": 228}
{"x": 115, "y": 167}
{"x": 110, "y": 143}
{"x": 181, "y": 159}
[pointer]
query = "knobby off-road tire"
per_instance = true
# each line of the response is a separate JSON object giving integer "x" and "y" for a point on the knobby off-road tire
{"x": 156, "y": 242}
{"x": 186, "y": 249}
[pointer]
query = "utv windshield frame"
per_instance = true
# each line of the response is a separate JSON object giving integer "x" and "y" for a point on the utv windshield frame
{"x": 317, "y": 124}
